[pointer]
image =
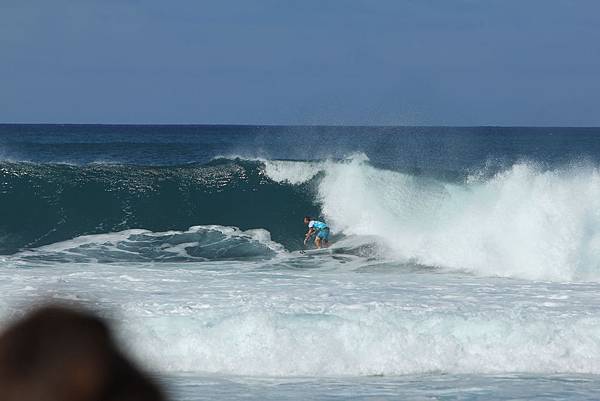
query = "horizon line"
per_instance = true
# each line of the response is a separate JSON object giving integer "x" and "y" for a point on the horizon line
{"x": 297, "y": 125}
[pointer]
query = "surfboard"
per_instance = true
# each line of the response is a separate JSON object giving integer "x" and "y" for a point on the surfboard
{"x": 314, "y": 251}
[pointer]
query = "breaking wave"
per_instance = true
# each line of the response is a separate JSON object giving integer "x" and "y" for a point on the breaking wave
{"x": 524, "y": 221}
{"x": 521, "y": 222}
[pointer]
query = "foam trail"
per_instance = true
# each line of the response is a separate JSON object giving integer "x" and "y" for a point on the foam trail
{"x": 198, "y": 243}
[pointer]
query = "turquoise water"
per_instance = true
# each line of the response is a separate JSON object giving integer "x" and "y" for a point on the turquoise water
{"x": 465, "y": 263}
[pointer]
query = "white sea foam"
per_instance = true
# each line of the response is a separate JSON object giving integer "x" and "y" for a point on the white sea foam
{"x": 524, "y": 222}
{"x": 282, "y": 322}
{"x": 362, "y": 342}
{"x": 280, "y": 317}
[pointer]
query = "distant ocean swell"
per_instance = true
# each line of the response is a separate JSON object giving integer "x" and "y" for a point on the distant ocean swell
{"x": 523, "y": 221}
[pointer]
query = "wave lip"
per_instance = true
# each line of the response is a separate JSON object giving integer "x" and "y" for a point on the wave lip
{"x": 292, "y": 172}
{"x": 198, "y": 243}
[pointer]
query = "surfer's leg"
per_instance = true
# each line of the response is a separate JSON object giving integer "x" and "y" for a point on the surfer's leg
{"x": 318, "y": 242}
{"x": 324, "y": 238}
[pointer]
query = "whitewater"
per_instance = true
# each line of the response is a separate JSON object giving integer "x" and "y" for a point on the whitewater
{"x": 443, "y": 282}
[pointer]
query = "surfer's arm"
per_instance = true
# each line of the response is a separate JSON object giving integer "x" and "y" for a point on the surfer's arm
{"x": 310, "y": 232}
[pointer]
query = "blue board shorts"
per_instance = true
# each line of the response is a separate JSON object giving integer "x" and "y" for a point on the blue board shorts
{"x": 323, "y": 234}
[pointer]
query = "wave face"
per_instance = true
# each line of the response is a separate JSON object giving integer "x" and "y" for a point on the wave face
{"x": 48, "y": 203}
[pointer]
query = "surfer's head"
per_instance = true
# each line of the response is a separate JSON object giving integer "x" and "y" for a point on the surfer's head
{"x": 307, "y": 219}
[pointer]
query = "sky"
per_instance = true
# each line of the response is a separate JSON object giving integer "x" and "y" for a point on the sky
{"x": 345, "y": 62}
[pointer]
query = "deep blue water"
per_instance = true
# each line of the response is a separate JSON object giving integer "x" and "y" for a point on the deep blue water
{"x": 427, "y": 148}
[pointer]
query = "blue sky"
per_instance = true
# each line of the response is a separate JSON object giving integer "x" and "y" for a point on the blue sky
{"x": 411, "y": 62}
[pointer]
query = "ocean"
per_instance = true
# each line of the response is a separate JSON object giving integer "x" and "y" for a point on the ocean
{"x": 465, "y": 261}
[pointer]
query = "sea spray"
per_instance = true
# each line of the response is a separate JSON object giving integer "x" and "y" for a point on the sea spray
{"x": 522, "y": 222}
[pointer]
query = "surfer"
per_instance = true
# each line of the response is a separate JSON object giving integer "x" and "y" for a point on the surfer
{"x": 318, "y": 227}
